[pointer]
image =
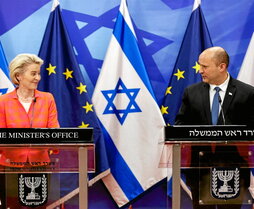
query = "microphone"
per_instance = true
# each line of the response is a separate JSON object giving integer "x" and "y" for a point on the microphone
{"x": 34, "y": 100}
{"x": 222, "y": 112}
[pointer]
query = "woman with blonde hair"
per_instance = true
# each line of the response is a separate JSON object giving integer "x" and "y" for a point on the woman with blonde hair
{"x": 25, "y": 107}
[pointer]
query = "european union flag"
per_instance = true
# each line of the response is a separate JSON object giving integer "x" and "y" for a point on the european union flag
{"x": 186, "y": 69}
{"x": 62, "y": 77}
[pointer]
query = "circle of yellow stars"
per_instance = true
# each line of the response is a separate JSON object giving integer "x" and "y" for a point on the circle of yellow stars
{"x": 82, "y": 89}
{"x": 179, "y": 74}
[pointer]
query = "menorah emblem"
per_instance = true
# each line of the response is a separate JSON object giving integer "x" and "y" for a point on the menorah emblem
{"x": 225, "y": 183}
{"x": 225, "y": 176}
{"x": 33, "y": 189}
{"x": 32, "y": 183}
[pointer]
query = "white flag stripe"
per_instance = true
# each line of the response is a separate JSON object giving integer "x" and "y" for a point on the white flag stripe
{"x": 126, "y": 15}
{"x": 196, "y": 4}
{"x": 115, "y": 189}
{"x": 251, "y": 187}
{"x": 54, "y": 5}
{"x": 246, "y": 73}
{"x": 5, "y": 83}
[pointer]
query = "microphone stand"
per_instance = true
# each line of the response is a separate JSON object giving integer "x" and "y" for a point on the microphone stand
{"x": 222, "y": 112}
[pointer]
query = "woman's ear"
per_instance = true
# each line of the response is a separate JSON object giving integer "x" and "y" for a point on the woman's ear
{"x": 17, "y": 76}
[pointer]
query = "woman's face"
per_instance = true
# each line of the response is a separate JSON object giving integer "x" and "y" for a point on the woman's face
{"x": 30, "y": 78}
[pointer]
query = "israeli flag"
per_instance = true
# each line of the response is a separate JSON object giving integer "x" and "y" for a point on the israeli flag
{"x": 5, "y": 83}
{"x": 131, "y": 119}
{"x": 246, "y": 75}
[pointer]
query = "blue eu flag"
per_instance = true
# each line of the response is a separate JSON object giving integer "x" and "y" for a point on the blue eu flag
{"x": 186, "y": 69}
{"x": 62, "y": 77}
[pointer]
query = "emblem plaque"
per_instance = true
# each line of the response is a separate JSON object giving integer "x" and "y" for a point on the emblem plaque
{"x": 225, "y": 183}
{"x": 33, "y": 189}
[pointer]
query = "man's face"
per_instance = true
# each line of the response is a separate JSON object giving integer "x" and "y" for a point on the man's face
{"x": 209, "y": 71}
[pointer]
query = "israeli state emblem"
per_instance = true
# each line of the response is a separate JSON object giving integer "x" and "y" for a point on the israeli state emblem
{"x": 225, "y": 183}
{"x": 33, "y": 189}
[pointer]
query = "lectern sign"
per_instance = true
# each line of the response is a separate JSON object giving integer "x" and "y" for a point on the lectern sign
{"x": 33, "y": 189}
{"x": 45, "y": 135}
{"x": 225, "y": 183}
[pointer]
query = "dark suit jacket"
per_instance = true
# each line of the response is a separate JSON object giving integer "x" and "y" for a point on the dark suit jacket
{"x": 238, "y": 105}
{"x": 238, "y": 108}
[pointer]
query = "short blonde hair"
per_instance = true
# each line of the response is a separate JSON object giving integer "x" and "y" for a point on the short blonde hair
{"x": 17, "y": 65}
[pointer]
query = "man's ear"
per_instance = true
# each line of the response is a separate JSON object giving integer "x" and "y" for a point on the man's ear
{"x": 223, "y": 67}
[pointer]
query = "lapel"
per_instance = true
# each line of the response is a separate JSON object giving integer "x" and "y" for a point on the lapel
{"x": 206, "y": 102}
{"x": 229, "y": 95}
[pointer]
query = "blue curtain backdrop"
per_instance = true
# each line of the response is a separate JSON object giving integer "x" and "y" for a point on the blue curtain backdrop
{"x": 160, "y": 27}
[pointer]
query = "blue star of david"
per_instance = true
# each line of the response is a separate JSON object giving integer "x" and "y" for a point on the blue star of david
{"x": 110, "y": 95}
{"x": 3, "y": 91}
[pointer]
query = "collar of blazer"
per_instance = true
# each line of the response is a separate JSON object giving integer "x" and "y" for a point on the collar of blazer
{"x": 206, "y": 102}
{"x": 229, "y": 95}
{"x": 227, "y": 99}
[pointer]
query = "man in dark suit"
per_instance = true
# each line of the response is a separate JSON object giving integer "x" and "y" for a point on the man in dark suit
{"x": 235, "y": 101}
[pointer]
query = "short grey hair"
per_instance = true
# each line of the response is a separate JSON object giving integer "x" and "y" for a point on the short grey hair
{"x": 17, "y": 65}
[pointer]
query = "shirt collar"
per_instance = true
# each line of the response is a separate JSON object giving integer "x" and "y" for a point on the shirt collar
{"x": 222, "y": 86}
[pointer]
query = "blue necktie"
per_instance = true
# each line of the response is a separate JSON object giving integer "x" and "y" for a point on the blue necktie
{"x": 215, "y": 106}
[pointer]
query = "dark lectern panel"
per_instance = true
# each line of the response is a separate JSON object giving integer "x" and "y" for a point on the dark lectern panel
{"x": 209, "y": 133}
